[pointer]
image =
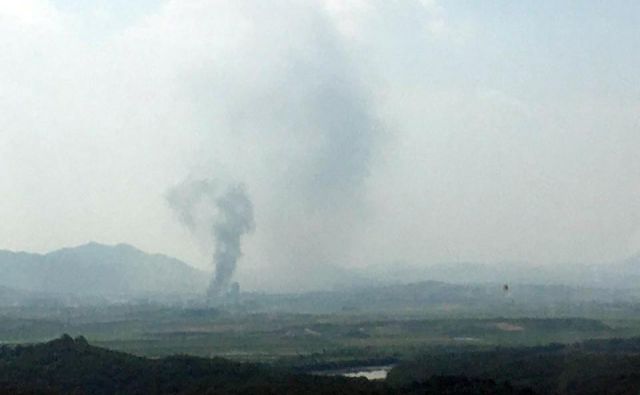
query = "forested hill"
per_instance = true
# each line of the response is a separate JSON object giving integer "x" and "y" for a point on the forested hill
{"x": 68, "y": 365}
{"x": 592, "y": 367}
{"x": 97, "y": 269}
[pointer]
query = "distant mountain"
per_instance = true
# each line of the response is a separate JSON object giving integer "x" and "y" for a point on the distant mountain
{"x": 633, "y": 261}
{"x": 97, "y": 269}
{"x": 625, "y": 274}
{"x": 14, "y": 297}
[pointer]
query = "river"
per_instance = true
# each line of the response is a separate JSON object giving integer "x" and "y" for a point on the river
{"x": 368, "y": 372}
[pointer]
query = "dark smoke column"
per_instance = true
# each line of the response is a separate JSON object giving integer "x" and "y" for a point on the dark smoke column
{"x": 235, "y": 218}
{"x": 219, "y": 219}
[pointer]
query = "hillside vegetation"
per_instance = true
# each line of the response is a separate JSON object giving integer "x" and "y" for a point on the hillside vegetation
{"x": 68, "y": 365}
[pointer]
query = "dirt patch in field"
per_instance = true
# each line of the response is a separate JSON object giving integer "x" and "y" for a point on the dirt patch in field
{"x": 507, "y": 327}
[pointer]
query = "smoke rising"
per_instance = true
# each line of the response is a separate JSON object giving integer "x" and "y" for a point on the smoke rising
{"x": 497, "y": 143}
{"x": 218, "y": 217}
{"x": 312, "y": 126}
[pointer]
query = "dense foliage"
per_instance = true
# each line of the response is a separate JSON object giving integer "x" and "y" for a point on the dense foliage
{"x": 592, "y": 367}
{"x": 68, "y": 365}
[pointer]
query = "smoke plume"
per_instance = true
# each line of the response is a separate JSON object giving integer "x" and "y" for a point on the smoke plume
{"x": 217, "y": 217}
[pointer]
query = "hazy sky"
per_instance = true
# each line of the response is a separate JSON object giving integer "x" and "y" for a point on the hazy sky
{"x": 365, "y": 132}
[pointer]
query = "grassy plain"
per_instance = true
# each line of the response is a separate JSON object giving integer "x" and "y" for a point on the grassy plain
{"x": 304, "y": 341}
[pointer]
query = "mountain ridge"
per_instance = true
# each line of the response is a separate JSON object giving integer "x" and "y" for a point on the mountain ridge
{"x": 99, "y": 269}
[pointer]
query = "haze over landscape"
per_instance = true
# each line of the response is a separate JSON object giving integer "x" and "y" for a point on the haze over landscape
{"x": 320, "y": 197}
{"x": 365, "y": 133}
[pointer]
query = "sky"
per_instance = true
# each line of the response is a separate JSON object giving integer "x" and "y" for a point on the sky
{"x": 364, "y": 132}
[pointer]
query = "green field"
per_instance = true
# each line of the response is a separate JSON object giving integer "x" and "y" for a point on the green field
{"x": 303, "y": 340}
